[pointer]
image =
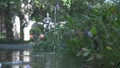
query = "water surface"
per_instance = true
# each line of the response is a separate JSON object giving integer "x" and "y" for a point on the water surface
{"x": 29, "y": 59}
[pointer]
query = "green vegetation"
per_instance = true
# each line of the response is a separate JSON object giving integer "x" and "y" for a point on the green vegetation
{"x": 91, "y": 31}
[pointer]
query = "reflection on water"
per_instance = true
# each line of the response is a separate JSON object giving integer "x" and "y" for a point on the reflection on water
{"x": 24, "y": 59}
{"x": 52, "y": 60}
{"x": 14, "y": 58}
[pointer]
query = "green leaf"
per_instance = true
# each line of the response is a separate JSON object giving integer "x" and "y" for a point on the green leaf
{"x": 89, "y": 59}
{"x": 79, "y": 53}
{"x": 110, "y": 11}
{"x": 86, "y": 53}
{"x": 93, "y": 30}
{"x": 109, "y": 48}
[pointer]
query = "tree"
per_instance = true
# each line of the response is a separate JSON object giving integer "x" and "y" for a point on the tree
{"x": 9, "y": 7}
{"x": 15, "y": 9}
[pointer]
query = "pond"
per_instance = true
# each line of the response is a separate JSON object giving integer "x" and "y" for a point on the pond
{"x": 29, "y": 59}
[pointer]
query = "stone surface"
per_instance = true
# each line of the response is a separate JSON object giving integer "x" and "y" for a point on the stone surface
{"x": 15, "y": 46}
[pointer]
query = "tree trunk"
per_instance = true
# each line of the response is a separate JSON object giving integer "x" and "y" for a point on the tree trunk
{"x": 26, "y": 8}
{"x": 8, "y": 23}
{"x": 16, "y": 27}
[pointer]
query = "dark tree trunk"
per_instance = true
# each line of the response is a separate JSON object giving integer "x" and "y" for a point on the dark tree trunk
{"x": 8, "y": 23}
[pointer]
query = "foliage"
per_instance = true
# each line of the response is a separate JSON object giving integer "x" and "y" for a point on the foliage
{"x": 91, "y": 30}
{"x": 87, "y": 24}
{"x": 102, "y": 21}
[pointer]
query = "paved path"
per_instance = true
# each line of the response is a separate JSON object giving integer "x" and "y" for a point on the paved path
{"x": 15, "y": 46}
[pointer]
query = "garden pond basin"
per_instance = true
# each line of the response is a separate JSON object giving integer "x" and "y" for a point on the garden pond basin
{"x": 11, "y": 58}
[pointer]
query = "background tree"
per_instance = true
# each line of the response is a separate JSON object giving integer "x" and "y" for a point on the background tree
{"x": 9, "y": 7}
